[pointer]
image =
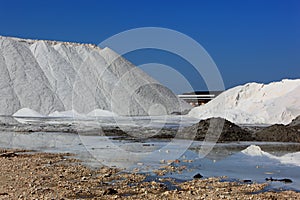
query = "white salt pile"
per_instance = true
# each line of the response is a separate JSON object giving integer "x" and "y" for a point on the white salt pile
{"x": 26, "y": 112}
{"x": 253, "y": 103}
{"x": 48, "y": 76}
{"x": 101, "y": 113}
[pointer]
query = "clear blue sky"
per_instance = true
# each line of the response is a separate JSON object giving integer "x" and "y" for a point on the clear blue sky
{"x": 257, "y": 40}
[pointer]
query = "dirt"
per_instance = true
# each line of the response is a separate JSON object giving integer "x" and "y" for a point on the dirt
{"x": 33, "y": 175}
{"x": 211, "y": 127}
{"x": 280, "y": 133}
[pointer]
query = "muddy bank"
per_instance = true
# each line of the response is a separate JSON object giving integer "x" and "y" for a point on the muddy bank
{"x": 57, "y": 176}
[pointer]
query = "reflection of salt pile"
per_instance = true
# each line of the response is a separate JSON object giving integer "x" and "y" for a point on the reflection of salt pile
{"x": 254, "y": 150}
{"x": 51, "y": 76}
{"x": 290, "y": 158}
{"x": 253, "y": 103}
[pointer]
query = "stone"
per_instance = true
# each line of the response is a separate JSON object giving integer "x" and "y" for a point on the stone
{"x": 110, "y": 191}
{"x": 197, "y": 176}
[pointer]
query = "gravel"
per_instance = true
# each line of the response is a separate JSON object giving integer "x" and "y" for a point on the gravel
{"x": 57, "y": 176}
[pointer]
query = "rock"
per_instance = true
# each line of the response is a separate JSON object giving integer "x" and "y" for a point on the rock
{"x": 107, "y": 175}
{"x": 197, "y": 176}
{"x": 285, "y": 180}
{"x": 8, "y": 155}
{"x": 110, "y": 191}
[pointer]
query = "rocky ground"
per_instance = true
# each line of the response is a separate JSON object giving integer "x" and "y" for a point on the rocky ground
{"x": 32, "y": 175}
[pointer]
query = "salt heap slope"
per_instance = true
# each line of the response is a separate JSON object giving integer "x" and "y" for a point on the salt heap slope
{"x": 254, "y": 103}
{"x": 48, "y": 76}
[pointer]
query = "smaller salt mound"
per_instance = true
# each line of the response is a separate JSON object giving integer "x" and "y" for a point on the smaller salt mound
{"x": 27, "y": 112}
{"x": 67, "y": 114}
{"x": 253, "y": 103}
{"x": 101, "y": 113}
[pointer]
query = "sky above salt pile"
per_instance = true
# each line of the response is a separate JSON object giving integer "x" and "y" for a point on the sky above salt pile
{"x": 248, "y": 40}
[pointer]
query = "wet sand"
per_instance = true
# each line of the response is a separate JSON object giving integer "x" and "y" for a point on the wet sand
{"x": 34, "y": 175}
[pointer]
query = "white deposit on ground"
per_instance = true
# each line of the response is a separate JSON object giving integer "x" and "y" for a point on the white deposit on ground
{"x": 68, "y": 114}
{"x": 254, "y": 103}
{"x": 26, "y": 112}
{"x": 101, "y": 113}
{"x": 48, "y": 76}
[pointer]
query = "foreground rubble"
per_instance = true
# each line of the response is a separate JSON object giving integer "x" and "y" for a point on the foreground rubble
{"x": 32, "y": 175}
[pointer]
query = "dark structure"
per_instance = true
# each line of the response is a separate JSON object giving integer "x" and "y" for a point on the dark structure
{"x": 199, "y": 97}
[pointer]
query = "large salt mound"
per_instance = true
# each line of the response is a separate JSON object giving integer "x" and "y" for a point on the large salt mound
{"x": 253, "y": 103}
{"x": 48, "y": 76}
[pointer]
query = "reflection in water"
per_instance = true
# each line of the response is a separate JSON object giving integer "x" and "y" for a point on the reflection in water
{"x": 226, "y": 159}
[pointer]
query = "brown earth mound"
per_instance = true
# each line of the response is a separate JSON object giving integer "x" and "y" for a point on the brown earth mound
{"x": 216, "y": 128}
{"x": 280, "y": 133}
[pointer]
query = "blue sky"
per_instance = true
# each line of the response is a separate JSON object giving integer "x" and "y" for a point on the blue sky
{"x": 248, "y": 40}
